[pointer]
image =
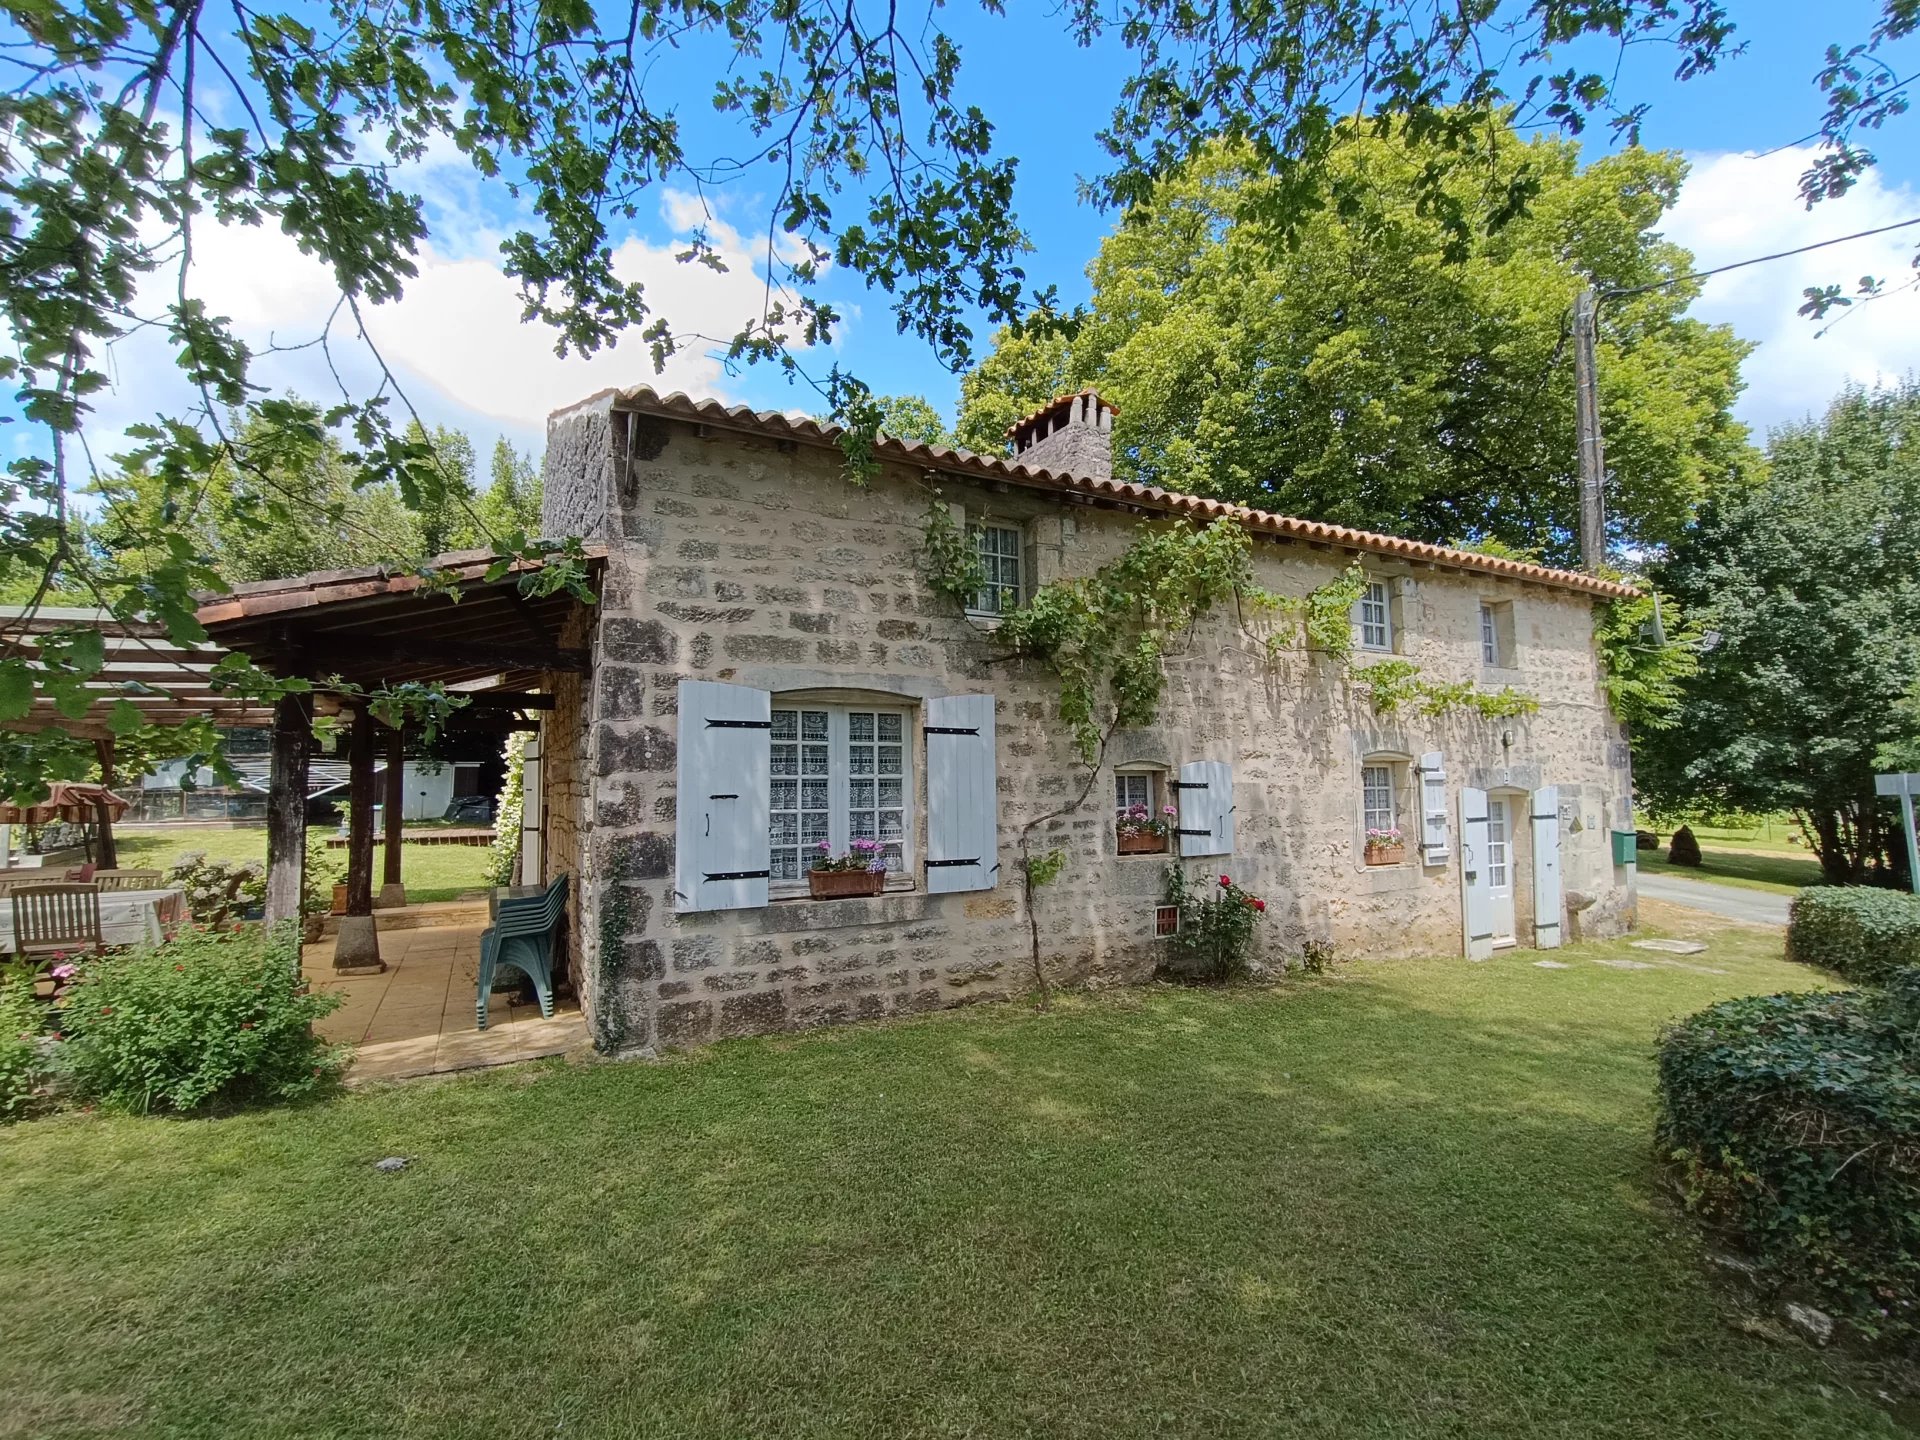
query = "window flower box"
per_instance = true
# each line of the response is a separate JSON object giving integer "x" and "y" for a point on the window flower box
{"x": 1385, "y": 846}
{"x": 1137, "y": 830}
{"x": 861, "y": 871}
{"x": 1143, "y": 842}
{"x": 843, "y": 884}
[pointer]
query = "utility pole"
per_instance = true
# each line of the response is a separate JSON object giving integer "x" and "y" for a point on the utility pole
{"x": 1593, "y": 455}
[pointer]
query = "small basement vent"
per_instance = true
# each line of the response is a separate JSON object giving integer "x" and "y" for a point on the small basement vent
{"x": 1166, "y": 921}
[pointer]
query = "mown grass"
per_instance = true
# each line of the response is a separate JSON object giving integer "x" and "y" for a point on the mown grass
{"x": 1407, "y": 1199}
{"x": 430, "y": 872}
{"x": 1746, "y": 869}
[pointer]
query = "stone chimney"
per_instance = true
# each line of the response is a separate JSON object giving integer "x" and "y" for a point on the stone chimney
{"x": 1073, "y": 433}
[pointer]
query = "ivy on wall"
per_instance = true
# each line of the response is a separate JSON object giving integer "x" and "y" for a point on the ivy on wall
{"x": 1105, "y": 635}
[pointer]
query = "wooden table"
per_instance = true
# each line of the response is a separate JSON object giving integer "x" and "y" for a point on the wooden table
{"x": 127, "y": 917}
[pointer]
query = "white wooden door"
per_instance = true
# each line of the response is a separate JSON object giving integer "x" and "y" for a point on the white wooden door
{"x": 1476, "y": 903}
{"x": 1500, "y": 867}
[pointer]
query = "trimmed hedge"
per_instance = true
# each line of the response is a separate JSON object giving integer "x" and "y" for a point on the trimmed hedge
{"x": 1796, "y": 1121}
{"x": 1861, "y": 934}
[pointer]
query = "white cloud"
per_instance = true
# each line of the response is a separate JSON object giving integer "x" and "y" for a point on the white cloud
{"x": 1736, "y": 207}
{"x": 455, "y": 338}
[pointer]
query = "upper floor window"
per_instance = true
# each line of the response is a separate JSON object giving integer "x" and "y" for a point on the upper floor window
{"x": 840, "y": 774}
{"x": 998, "y": 547}
{"x": 1375, "y": 617}
{"x": 1496, "y": 634}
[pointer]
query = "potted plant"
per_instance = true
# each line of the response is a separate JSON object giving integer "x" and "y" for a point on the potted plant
{"x": 1385, "y": 847}
{"x": 1140, "y": 833}
{"x": 861, "y": 871}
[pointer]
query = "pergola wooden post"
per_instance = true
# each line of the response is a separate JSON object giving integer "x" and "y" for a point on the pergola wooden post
{"x": 393, "y": 894}
{"x": 108, "y": 856}
{"x": 356, "y": 948}
{"x": 287, "y": 806}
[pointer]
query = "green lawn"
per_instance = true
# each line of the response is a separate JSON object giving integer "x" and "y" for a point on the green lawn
{"x": 1409, "y": 1199}
{"x": 1749, "y": 869}
{"x": 431, "y": 872}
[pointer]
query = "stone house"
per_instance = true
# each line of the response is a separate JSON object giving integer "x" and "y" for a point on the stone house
{"x": 771, "y": 668}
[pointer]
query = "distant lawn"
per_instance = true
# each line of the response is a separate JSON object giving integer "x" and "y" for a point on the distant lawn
{"x": 1749, "y": 869}
{"x": 431, "y": 872}
{"x": 1411, "y": 1199}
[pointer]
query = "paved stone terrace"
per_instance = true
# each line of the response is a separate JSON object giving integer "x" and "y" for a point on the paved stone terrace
{"x": 417, "y": 1017}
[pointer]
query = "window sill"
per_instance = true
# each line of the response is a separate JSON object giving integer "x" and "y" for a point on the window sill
{"x": 986, "y": 619}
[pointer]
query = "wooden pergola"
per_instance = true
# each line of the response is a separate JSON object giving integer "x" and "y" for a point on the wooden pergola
{"x": 349, "y": 631}
{"x": 165, "y": 682}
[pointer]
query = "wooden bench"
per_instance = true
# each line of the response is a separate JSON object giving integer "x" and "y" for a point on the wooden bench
{"x": 525, "y": 922}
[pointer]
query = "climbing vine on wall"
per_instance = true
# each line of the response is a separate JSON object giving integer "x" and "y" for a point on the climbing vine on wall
{"x": 1105, "y": 635}
{"x": 1396, "y": 685}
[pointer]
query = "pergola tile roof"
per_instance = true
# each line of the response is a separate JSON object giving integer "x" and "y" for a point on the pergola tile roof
{"x": 644, "y": 399}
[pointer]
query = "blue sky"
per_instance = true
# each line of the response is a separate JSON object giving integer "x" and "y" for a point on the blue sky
{"x": 457, "y": 341}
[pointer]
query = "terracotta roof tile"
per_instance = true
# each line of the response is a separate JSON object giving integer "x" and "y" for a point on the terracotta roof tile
{"x": 679, "y": 405}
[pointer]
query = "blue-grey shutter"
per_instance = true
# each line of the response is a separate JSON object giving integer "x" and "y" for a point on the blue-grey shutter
{"x": 1433, "y": 809}
{"x": 721, "y": 848}
{"x": 1546, "y": 868}
{"x": 963, "y": 797}
{"x": 1205, "y": 826}
{"x": 1476, "y": 882}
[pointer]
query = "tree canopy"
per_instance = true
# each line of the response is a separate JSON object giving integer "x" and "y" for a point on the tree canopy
{"x": 130, "y": 127}
{"x": 1375, "y": 372}
{"x": 1807, "y": 592}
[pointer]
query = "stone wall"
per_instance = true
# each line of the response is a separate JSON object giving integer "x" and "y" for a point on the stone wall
{"x": 566, "y": 788}
{"x": 753, "y": 562}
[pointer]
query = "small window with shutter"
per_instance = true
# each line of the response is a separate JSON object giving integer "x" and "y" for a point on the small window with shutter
{"x": 1001, "y": 550}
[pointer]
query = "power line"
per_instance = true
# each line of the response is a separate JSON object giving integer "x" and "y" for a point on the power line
{"x": 1756, "y": 260}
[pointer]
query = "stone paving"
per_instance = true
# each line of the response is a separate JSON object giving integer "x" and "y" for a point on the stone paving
{"x": 417, "y": 1017}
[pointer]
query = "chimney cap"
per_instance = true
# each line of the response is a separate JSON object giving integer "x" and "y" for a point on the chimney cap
{"x": 1057, "y": 402}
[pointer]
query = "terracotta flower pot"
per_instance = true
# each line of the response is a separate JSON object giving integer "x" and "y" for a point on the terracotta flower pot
{"x": 1143, "y": 843}
{"x": 1387, "y": 855}
{"x": 841, "y": 884}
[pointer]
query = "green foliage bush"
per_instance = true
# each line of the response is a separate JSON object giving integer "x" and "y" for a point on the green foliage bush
{"x": 1860, "y": 933}
{"x": 1796, "y": 1121}
{"x": 218, "y": 890}
{"x": 1683, "y": 849}
{"x": 22, "y": 1023}
{"x": 1214, "y": 943}
{"x": 208, "y": 1018}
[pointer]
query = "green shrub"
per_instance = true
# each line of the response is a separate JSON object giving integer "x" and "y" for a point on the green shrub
{"x": 1683, "y": 849}
{"x": 1796, "y": 1120}
{"x": 208, "y": 1018}
{"x": 1217, "y": 921}
{"x": 218, "y": 890}
{"x": 22, "y": 1023}
{"x": 1859, "y": 933}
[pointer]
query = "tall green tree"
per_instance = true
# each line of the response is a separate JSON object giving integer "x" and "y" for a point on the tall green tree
{"x": 1809, "y": 594}
{"x": 511, "y": 502}
{"x": 912, "y": 417}
{"x": 1380, "y": 372}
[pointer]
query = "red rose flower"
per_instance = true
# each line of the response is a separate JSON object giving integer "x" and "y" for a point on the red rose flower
{"x": 1260, "y": 905}
{"x": 1226, "y": 882}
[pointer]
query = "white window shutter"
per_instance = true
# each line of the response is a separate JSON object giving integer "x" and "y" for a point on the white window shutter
{"x": 963, "y": 796}
{"x": 1205, "y": 826}
{"x": 722, "y": 851}
{"x": 1476, "y": 882}
{"x": 1546, "y": 868}
{"x": 1433, "y": 809}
